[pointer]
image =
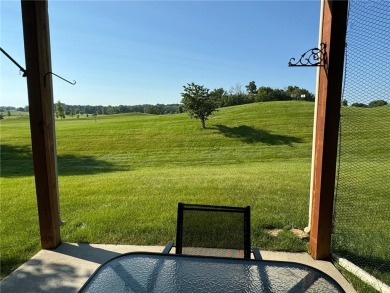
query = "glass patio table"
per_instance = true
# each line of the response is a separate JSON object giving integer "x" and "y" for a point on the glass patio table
{"x": 159, "y": 272}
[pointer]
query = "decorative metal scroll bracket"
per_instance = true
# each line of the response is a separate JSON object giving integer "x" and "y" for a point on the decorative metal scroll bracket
{"x": 14, "y": 62}
{"x": 312, "y": 57}
{"x": 44, "y": 79}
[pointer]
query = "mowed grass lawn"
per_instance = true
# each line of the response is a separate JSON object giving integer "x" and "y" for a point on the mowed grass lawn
{"x": 362, "y": 211}
{"x": 121, "y": 177}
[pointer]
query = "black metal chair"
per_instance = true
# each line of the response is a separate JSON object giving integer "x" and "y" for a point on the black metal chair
{"x": 213, "y": 231}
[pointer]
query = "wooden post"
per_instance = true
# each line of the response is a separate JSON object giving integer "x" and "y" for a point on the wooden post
{"x": 328, "y": 117}
{"x": 40, "y": 97}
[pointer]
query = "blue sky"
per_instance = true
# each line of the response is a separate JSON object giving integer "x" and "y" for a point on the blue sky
{"x": 143, "y": 52}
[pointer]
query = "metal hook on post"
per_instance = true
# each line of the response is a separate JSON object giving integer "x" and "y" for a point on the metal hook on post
{"x": 14, "y": 62}
{"x": 312, "y": 57}
{"x": 44, "y": 79}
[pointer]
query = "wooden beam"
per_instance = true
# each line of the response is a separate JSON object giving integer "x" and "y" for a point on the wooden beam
{"x": 40, "y": 98}
{"x": 334, "y": 28}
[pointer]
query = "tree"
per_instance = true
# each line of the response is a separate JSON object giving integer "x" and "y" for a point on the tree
{"x": 264, "y": 94}
{"x": 251, "y": 88}
{"x": 198, "y": 102}
{"x": 236, "y": 90}
{"x": 218, "y": 96}
{"x": 236, "y": 96}
{"x": 60, "y": 110}
{"x": 110, "y": 110}
{"x": 293, "y": 92}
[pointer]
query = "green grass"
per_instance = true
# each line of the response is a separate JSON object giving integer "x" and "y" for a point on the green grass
{"x": 121, "y": 177}
{"x": 362, "y": 207}
{"x": 358, "y": 285}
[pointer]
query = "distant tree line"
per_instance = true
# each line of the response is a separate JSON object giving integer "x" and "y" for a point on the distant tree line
{"x": 222, "y": 98}
{"x": 372, "y": 104}
{"x": 10, "y": 108}
{"x": 62, "y": 110}
{"x": 236, "y": 95}
{"x": 253, "y": 94}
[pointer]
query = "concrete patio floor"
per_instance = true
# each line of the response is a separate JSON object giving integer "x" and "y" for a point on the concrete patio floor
{"x": 68, "y": 267}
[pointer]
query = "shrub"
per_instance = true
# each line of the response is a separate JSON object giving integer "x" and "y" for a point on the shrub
{"x": 359, "y": 105}
{"x": 377, "y": 103}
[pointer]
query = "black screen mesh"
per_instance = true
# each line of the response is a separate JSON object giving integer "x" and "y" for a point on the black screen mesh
{"x": 362, "y": 208}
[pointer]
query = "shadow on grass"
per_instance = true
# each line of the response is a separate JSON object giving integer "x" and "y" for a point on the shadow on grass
{"x": 374, "y": 264}
{"x": 252, "y": 135}
{"x": 17, "y": 161}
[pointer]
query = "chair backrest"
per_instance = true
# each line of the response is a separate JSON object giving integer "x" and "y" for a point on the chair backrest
{"x": 206, "y": 229}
